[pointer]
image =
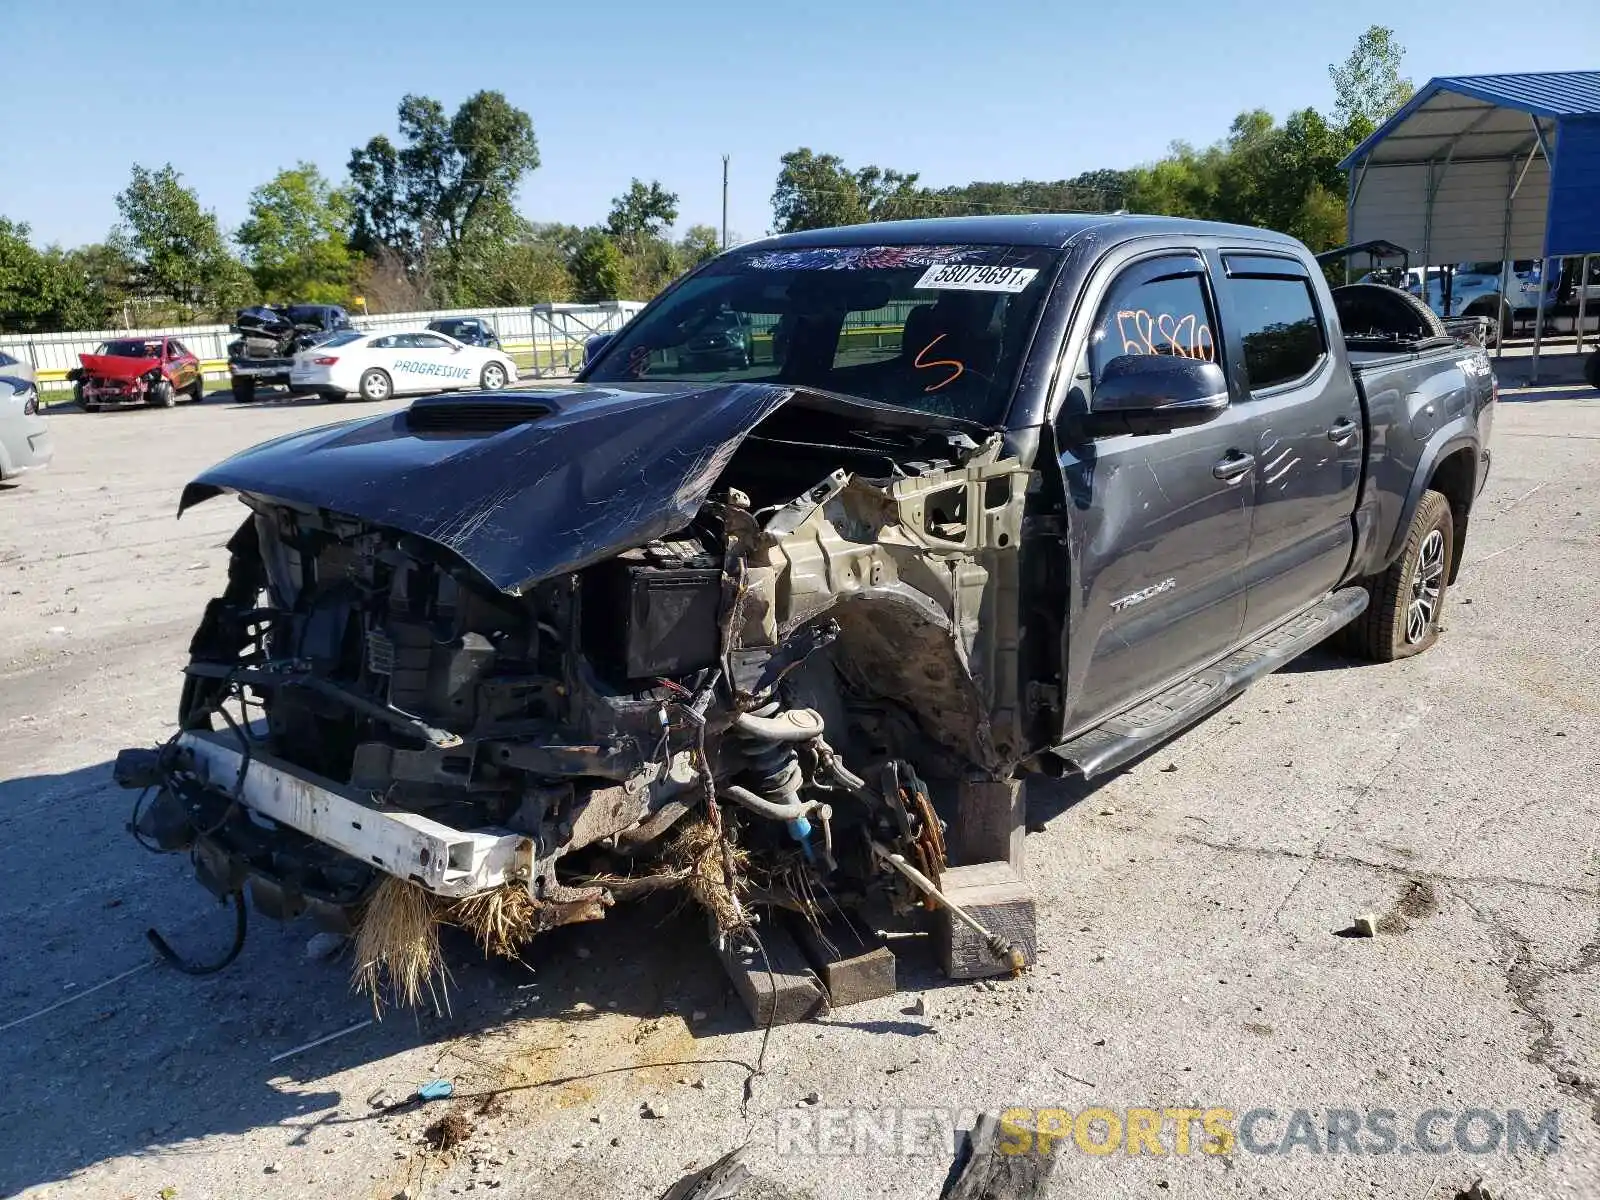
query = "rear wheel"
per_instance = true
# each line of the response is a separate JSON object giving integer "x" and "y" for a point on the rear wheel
{"x": 244, "y": 390}
{"x": 197, "y": 390}
{"x": 376, "y": 385}
{"x": 1402, "y": 618}
{"x": 493, "y": 377}
{"x": 1591, "y": 369}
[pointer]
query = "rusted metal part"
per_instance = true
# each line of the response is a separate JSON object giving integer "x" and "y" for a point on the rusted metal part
{"x": 570, "y": 906}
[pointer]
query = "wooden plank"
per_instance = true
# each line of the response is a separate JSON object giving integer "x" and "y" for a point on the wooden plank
{"x": 991, "y": 822}
{"x": 992, "y": 1174}
{"x": 999, "y": 901}
{"x": 773, "y": 978}
{"x": 854, "y": 963}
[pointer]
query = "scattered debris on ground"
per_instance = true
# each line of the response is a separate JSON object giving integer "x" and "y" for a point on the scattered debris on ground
{"x": 449, "y": 1131}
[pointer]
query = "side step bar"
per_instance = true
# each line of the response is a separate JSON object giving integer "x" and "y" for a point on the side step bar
{"x": 1145, "y": 726}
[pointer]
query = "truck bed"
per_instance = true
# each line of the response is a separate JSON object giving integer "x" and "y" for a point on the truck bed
{"x": 1399, "y": 368}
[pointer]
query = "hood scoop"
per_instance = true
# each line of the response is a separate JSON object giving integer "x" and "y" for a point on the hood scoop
{"x": 475, "y": 414}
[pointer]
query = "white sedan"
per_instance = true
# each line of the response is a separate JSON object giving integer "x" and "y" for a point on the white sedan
{"x": 403, "y": 362}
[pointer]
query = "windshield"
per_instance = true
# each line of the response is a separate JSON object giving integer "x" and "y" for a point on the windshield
{"x": 456, "y": 329}
{"x": 938, "y": 328}
{"x": 130, "y": 348}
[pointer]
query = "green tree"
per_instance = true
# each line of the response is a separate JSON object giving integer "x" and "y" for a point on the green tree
{"x": 296, "y": 238}
{"x": 55, "y": 289}
{"x": 1368, "y": 87}
{"x": 1184, "y": 184}
{"x": 442, "y": 198}
{"x": 598, "y": 269}
{"x": 697, "y": 245}
{"x": 815, "y": 191}
{"x": 177, "y": 245}
{"x": 642, "y": 212}
{"x": 1093, "y": 191}
{"x": 527, "y": 268}
{"x": 25, "y": 281}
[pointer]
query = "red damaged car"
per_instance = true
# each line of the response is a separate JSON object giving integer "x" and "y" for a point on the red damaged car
{"x": 128, "y": 371}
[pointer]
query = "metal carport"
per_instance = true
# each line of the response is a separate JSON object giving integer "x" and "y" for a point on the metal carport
{"x": 1485, "y": 168}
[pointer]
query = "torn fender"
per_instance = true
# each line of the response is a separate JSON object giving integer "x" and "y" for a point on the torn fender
{"x": 589, "y": 472}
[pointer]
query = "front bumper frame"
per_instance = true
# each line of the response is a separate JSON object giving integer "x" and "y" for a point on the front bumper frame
{"x": 445, "y": 861}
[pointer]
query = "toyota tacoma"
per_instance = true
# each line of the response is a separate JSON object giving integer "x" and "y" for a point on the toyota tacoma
{"x": 789, "y": 628}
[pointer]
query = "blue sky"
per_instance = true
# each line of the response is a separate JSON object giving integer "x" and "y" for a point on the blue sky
{"x": 982, "y": 89}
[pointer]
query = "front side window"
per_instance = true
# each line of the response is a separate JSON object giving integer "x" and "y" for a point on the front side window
{"x": 942, "y": 329}
{"x": 427, "y": 341}
{"x": 1169, "y": 314}
{"x": 1278, "y": 327}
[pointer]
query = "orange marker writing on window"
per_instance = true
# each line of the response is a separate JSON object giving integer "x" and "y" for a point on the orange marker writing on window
{"x": 938, "y": 362}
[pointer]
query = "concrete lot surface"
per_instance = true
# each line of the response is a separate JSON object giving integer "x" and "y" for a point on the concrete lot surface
{"x": 1188, "y": 918}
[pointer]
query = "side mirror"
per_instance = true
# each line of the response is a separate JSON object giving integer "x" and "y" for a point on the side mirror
{"x": 1155, "y": 393}
{"x": 593, "y": 347}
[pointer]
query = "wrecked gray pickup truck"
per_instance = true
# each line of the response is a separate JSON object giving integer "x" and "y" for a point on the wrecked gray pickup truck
{"x": 988, "y": 497}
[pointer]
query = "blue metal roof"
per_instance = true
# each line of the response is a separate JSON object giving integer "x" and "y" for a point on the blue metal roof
{"x": 1547, "y": 94}
{"x": 1543, "y": 93}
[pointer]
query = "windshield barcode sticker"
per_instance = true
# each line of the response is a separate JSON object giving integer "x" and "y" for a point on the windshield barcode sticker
{"x": 965, "y": 277}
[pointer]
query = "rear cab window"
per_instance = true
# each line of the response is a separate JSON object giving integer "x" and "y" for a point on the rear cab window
{"x": 1275, "y": 319}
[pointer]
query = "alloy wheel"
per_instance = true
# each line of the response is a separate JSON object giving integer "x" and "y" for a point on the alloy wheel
{"x": 1427, "y": 581}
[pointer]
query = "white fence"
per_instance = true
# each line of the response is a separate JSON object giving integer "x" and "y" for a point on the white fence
{"x": 546, "y": 339}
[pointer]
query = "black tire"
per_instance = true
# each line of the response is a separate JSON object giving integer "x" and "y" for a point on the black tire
{"x": 197, "y": 390}
{"x": 77, "y": 394}
{"x": 244, "y": 390}
{"x": 1591, "y": 369}
{"x": 1399, "y": 621}
{"x": 493, "y": 371}
{"x": 162, "y": 395}
{"x": 1366, "y": 308}
{"x": 376, "y": 384}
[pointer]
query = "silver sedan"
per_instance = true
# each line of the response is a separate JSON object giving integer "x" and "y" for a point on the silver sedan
{"x": 25, "y": 443}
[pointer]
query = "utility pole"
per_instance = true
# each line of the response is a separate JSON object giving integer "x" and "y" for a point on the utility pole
{"x": 724, "y": 201}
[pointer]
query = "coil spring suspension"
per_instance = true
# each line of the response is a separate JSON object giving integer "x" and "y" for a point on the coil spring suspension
{"x": 774, "y": 766}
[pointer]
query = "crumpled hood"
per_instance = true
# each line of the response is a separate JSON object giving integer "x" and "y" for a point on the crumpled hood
{"x": 113, "y": 366}
{"x": 595, "y": 471}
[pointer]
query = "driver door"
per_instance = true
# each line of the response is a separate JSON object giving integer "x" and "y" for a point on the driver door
{"x": 182, "y": 367}
{"x": 1158, "y": 524}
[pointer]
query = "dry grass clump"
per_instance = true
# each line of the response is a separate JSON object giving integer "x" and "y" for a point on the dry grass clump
{"x": 500, "y": 921}
{"x": 397, "y": 946}
{"x": 700, "y": 857}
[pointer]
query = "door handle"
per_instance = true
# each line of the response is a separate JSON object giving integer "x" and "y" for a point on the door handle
{"x": 1233, "y": 466}
{"x": 1343, "y": 431}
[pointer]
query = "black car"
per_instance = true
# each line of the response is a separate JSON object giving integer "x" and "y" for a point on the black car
{"x": 724, "y": 341}
{"x": 474, "y": 331}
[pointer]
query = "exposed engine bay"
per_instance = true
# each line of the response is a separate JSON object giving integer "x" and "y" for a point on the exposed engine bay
{"x": 770, "y": 705}
{"x": 277, "y": 331}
